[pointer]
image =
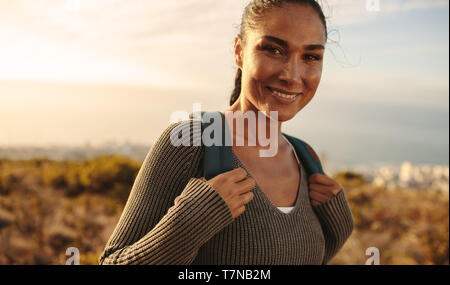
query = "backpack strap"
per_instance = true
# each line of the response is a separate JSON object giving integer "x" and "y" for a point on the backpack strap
{"x": 217, "y": 159}
{"x": 306, "y": 154}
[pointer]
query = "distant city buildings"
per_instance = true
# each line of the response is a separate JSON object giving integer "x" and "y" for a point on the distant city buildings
{"x": 425, "y": 177}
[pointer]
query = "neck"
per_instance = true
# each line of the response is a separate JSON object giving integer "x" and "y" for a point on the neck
{"x": 272, "y": 125}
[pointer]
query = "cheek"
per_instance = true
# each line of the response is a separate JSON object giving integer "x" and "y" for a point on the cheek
{"x": 312, "y": 77}
{"x": 263, "y": 68}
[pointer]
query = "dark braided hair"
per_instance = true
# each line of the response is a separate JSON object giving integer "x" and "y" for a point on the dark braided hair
{"x": 252, "y": 14}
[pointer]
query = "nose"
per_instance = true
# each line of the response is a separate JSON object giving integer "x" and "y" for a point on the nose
{"x": 292, "y": 72}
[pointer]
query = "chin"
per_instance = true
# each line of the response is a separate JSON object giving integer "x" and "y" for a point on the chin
{"x": 283, "y": 115}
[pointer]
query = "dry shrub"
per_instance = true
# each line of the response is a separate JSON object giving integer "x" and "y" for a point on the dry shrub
{"x": 407, "y": 226}
{"x": 48, "y": 206}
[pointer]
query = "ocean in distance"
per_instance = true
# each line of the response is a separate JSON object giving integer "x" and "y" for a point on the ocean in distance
{"x": 373, "y": 135}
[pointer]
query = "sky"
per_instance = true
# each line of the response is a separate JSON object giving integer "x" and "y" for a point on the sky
{"x": 74, "y": 71}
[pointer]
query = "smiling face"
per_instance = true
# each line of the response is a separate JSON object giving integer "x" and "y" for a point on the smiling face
{"x": 281, "y": 60}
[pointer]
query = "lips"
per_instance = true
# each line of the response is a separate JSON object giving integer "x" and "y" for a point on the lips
{"x": 284, "y": 96}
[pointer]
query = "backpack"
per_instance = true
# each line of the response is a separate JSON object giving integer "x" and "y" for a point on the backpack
{"x": 218, "y": 159}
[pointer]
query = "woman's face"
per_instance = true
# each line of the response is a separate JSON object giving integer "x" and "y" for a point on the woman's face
{"x": 282, "y": 57}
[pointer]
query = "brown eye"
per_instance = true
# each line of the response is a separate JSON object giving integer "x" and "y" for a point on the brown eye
{"x": 272, "y": 49}
{"x": 311, "y": 57}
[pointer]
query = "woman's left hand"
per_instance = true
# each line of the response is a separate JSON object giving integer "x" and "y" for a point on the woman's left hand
{"x": 322, "y": 188}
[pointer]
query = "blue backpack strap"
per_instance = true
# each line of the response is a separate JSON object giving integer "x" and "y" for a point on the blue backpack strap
{"x": 306, "y": 154}
{"x": 217, "y": 159}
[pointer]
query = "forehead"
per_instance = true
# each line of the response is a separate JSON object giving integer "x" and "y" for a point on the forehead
{"x": 296, "y": 24}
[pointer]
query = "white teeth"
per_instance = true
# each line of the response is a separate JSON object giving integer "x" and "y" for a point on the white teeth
{"x": 284, "y": 95}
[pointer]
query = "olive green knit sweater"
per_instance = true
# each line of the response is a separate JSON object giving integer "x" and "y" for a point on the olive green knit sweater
{"x": 172, "y": 217}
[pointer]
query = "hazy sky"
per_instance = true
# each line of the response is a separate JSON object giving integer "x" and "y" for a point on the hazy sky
{"x": 127, "y": 63}
{"x": 182, "y": 43}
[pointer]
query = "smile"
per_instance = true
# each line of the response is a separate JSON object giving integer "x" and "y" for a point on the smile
{"x": 285, "y": 97}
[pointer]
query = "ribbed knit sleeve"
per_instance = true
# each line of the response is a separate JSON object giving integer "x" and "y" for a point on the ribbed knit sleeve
{"x": 337, "y": 223}
{"x": 169, "y": 214}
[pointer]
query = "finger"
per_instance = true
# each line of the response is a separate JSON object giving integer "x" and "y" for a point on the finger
{"x": 203, "y": 179}
{"x": 326, "y": 190}
{"x": 314, "y": 202}
{"x": 246, "y": 198}
{"x": 245, "y": 185}
{"x": 240, "y": 211}
{"x": 318, "y": 196}
{"x": 321, "y": 179}
{"x": 238, "y": 174}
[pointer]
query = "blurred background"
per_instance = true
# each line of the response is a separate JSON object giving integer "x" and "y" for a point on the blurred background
{"x": 87, "y": 86}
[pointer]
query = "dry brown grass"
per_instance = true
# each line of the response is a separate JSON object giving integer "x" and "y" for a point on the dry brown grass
{"x": 46, "y": 207}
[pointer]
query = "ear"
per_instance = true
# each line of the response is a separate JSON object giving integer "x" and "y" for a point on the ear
{"x": 238, "y": 51}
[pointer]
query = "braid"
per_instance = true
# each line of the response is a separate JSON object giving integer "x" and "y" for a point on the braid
{"x": 237, "y": 87}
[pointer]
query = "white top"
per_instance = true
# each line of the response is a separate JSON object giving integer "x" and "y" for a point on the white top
{"x": 287, "y": 210}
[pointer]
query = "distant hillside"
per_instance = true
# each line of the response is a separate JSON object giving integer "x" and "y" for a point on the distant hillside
{"x": 405, "y": 175}
{"x": 134, "y": 151}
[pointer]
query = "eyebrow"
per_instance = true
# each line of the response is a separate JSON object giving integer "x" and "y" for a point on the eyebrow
{"x": 284, "y": 44}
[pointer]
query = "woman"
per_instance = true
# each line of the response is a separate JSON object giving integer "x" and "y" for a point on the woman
{"x": 265, "y": 210}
